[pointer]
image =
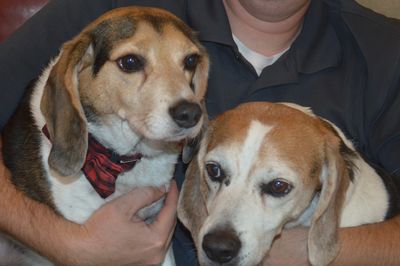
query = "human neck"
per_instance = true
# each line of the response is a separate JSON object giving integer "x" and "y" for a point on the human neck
{"x": 263, "y": 36}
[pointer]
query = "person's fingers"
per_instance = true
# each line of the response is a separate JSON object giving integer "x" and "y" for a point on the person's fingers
{"x": 174, "y": 203}
{"x": 131, "y": 202}
{"x": 171, "y": 233}
{"x": 166, "y": 219}
{"x": 173, "y": 195}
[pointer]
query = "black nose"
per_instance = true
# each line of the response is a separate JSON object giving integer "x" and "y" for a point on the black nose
{"x": 221, "y": 246}
{"x": 186, "y": 114}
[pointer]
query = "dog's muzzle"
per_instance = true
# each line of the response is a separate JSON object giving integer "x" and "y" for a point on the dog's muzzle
{"x": 186, "y": 114}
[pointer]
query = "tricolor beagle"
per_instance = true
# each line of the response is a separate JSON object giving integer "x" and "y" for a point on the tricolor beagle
{"x": 117, "y": 101}
{"x": 263, "y": 167}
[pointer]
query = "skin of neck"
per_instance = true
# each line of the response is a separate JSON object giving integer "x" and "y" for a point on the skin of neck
{"x": 267, "y": 33}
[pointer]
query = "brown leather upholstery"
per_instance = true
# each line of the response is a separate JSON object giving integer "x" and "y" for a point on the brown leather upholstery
{"x": 390, "y": 8}
{"x": 13, "y": 14}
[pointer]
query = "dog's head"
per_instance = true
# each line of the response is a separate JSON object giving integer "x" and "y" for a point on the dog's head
{"x": 139, "y": 66}
{"x": 261, "y": 166}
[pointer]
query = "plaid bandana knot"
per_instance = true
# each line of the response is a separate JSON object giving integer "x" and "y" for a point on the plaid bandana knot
{"x": 102, "y": 166}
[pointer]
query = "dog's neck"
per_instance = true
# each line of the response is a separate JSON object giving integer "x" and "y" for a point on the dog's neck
{"x": 119, "y": 137}
{"x": 115, "y": 135}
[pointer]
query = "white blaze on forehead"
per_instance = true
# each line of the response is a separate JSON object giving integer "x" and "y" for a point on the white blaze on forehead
{"x": 238, "y": 160}
{"x": 236, "y": 204}
{"x": 251, "y": 146}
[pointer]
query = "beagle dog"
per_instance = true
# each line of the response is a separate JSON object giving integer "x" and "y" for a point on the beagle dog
{"x": 262, "y": 167}
{"x": 109, "y": 114}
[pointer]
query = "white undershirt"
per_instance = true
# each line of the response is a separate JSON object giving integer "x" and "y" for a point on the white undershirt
{"x": 258, "y": 60}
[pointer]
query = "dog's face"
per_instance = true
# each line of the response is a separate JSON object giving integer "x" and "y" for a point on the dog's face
{"x": 139, "y": 66}
{"x": 259, "y": 168}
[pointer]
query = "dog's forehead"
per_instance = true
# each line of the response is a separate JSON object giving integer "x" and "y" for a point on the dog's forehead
{"x": 122, "y": 23}
{"x": 288, "y": 123}
{"x": 294, "y": 136}
{"x": 170, "y": 43}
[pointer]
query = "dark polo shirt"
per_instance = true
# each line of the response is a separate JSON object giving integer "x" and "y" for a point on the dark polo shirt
{"x": 344, "y": 64}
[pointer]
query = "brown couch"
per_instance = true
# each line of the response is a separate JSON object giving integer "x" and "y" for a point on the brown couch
{"x": 390, "y": 8}
{"x": 14, "y": 12}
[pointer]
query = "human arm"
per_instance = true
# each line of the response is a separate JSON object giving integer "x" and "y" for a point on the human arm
{"x": 129, "y": 241}
{"x": 372, "y": 244}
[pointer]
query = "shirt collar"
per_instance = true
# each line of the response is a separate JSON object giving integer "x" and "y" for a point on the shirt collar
{"x": 316, "y": 48}
{"x": 209, "y": 18}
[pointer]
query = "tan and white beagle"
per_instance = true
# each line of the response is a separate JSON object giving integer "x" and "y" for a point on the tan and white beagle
{"x": 262, "y": 167}
{"x": 130, "y": 87}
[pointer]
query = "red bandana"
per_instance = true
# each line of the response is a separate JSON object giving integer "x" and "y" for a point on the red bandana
{"x": 102, "y": 166}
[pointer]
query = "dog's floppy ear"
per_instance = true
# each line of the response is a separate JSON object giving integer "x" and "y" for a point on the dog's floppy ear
{"x": 190, "y": 148}
{"x": 323, "y": 243}
{"x": 63, "y": 111}
{"x": 199, "y": 82}
{"x": 192, "y": 201}
{"x": 200, "y": 77}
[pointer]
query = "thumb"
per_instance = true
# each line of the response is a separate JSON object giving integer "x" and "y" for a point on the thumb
{"x": 131, "y": 202}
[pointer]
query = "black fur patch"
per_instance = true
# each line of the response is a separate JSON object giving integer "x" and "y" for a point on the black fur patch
{"x": 113, "y": 30}
{"x": 106, "y": 34}
{"x": 348, "y": 156}
{"x": 21, "y": 149}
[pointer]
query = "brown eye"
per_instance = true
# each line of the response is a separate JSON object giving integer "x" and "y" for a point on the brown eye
{"x": 131, "y": 63}
{"x": 191, "y": 61}
{"x": 215, "y": 172}
{"x": 276, "y": 188}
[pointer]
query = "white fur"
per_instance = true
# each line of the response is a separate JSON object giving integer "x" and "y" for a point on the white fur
{"x": 304, "y": 109}
{"x": 367, "y": 200}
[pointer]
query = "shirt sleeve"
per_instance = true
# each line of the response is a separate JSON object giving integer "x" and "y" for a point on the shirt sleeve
{"x": 379, "y": 41}
{"x": 27, "y": 51}
{"x": 385, "y": 131}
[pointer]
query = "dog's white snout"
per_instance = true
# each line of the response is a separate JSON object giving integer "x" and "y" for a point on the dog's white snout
{"x": 186, "y": 114}
{"x": 221, "y": 246}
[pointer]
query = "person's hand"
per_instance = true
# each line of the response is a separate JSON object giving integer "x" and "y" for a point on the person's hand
{"x": 114, "y": 235}
{"x": 290, "y": 248}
